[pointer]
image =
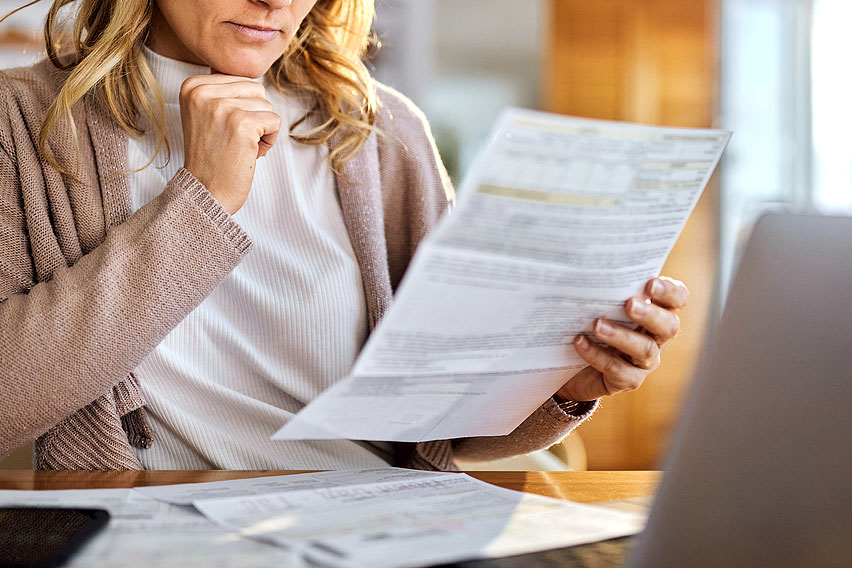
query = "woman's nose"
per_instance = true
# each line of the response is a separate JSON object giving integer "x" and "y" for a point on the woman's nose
{"x": 275, "y": 3}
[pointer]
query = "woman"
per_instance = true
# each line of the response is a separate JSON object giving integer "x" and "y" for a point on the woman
{"x": 209, "y": 298}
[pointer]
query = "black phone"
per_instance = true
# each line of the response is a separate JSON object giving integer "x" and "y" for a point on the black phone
{"x": 41, "y": 537}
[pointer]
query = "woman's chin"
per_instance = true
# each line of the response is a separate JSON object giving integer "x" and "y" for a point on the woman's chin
{"x": 251, "y": 67}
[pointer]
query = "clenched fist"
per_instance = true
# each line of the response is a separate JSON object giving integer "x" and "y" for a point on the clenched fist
{"x": 228, "y": 123}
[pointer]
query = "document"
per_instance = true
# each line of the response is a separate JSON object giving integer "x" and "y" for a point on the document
{"x": 187, "y": 493}
{"x": 112, "y": 500}
{"x": 146, "y": 532}
{"x": 559, "y": 222}
{"x": 143, "y": 531}
{"x": 415, "y": 522}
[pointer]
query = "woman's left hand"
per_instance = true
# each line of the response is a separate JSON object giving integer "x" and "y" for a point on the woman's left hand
{"x": 631, "y": 355}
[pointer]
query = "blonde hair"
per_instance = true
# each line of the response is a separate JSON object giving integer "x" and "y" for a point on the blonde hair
{"x": 324, "y": 60}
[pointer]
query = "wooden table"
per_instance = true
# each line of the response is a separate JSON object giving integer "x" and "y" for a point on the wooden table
{"x": 581, "y": 486}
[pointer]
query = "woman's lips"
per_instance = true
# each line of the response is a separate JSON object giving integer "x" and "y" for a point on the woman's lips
{"x": 258, "y": 34}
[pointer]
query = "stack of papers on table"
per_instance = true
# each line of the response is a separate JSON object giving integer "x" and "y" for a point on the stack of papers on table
{"x": 372, "y": 518}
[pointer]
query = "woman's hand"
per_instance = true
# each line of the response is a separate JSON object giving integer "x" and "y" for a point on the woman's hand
{"x": 631, "y": 355}
{"x": 228, "y": 123}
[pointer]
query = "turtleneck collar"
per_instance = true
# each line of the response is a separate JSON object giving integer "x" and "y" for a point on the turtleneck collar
{"x": 171, "y": 73}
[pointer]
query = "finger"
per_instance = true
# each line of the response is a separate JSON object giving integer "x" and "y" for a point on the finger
{"x": 203, "y": 90}
{"x": 588, "y": 384}
{"x": 264, "y": 145}
{"x": 661, "y": 323}
{"x": 192, "y": 83}
{"x": 215, "y": 78}
{"x": 618, "y": 374}
{"x": 233, "y": 90}
{"x": 268, "y": 126}
{"x": 254, "y": 125}
{"x": 668, "y": 292}
{"x": 638, "y": 347}
{"x": 250, "y": 104}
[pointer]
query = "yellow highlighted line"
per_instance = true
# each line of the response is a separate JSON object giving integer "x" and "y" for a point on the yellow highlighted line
{"x": 549, "y": 196}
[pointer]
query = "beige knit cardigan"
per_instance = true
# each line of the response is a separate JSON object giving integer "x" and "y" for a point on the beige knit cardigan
{"x": 87, "y": 290}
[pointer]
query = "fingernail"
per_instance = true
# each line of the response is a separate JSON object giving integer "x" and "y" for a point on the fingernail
{"x": 656, "y": 288}
{"x": 638, "y": 307}
{"x": 581, "y": 342}
{"x": 603, "y": 328}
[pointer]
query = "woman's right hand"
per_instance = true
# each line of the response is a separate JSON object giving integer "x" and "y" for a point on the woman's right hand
{"x": 228, "y": 123}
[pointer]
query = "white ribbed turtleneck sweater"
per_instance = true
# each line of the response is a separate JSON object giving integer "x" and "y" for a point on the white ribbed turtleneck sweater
{"x": 284, "y": 325}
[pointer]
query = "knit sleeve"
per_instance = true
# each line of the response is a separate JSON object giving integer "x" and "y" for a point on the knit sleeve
{"x": 547, "y": 426}
{"x": 67, "y": 340}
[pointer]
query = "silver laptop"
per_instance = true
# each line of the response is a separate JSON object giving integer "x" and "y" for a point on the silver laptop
{"x": 760, "y": 470}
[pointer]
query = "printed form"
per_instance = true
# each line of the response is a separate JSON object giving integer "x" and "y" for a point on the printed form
{"x": 189, "y": 493}
{"x": 415, "y": 522}
{"x": 559, "y": 222}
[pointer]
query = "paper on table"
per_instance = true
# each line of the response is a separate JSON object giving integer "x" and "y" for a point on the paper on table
{"x": 444, "y": 518}
{"x": 146, "y": 532}
{"x": 187, "y": 493}
{"x": 113, "y": 500}
{"x": 186, "y": 538}
{"x": 183, "y": 548}
{"x": 127, "y": 509}
{"x": 559, "y": 222}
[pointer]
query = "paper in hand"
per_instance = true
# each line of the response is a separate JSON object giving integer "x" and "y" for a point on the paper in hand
{"x": 558, "y": 223}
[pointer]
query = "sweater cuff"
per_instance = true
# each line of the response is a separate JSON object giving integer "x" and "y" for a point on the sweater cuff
{"x": 213, "y": 210}
{"x": 583, "y": 411}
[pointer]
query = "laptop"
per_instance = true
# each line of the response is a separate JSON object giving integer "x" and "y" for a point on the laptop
{"x": 760, "y": 470}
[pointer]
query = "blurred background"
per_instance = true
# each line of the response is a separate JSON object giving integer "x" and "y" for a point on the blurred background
{"x": 770, "y": 70}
